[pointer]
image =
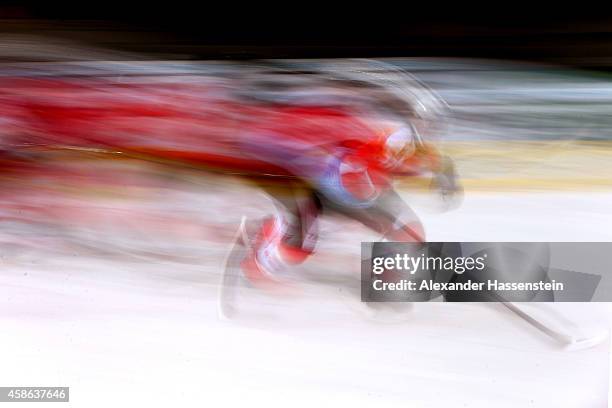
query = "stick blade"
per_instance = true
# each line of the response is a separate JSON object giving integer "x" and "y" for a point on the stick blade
{"x": 583, "y": 343}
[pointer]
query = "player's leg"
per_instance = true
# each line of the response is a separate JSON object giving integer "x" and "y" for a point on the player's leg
{"x": 284, "y": 239}
{"x": 393, "y": 220}
{"x": 389, "y": 216}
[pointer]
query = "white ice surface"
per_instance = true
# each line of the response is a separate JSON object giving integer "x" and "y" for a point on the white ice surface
{"x": 135, "y": 333}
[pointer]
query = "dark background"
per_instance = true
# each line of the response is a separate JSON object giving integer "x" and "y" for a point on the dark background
{"x": 578, "y": 35}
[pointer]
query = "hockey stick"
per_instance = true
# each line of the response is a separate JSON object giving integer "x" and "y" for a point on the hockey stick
{"x": 569, "y": 341}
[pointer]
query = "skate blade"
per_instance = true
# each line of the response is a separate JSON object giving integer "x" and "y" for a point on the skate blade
{"x": 230, "y": 279}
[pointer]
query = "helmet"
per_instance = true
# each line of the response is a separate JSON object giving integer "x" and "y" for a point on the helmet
{"x": 393, "y": 92}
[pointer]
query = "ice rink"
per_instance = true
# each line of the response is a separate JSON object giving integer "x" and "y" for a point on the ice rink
{"x": 119, "y": 299}
{"x": 132, "y": 331}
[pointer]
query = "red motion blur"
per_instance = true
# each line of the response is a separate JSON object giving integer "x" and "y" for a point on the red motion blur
{"x": 198, "y": 122}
